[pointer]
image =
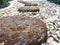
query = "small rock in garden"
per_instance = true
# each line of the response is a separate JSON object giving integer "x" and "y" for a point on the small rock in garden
{"x": 57, "y": 32}
{"x": 58, "y": 35}
{"x": 49, "y": 40}
{"x": 57, "y": 23}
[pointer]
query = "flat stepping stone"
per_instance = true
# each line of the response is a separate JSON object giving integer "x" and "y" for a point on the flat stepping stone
{"x": 22, "y": 30}
{"x": 28, "y": 9}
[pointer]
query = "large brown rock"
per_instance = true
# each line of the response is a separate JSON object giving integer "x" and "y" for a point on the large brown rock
{"x": 22, "y": 30}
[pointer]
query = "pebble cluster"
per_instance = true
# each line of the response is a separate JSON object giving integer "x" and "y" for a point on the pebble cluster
{"x": 49, "y": 13}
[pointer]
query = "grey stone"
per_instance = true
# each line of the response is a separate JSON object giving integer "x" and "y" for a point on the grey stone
{"x": 58, "y": 35}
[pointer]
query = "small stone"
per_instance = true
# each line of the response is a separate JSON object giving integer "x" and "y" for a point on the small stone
{"x": 49, "y": 40}
{"x": 57, "y": 32}
{"x": 57, "y": 23}
{"x": 53, "y": 11}
{"x": 58, "y": 35}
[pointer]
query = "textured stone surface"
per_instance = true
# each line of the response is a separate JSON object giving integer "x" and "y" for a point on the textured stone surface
{"x": 23, "y": 30}
{"x": 28, "y": 9}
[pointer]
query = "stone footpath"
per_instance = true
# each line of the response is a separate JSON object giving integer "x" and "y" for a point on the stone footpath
{"x": 49, "y": 13}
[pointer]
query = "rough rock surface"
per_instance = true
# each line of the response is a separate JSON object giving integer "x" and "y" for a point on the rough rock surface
{"x": 22, "y": 30}
{"x": 28, "y": 9}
